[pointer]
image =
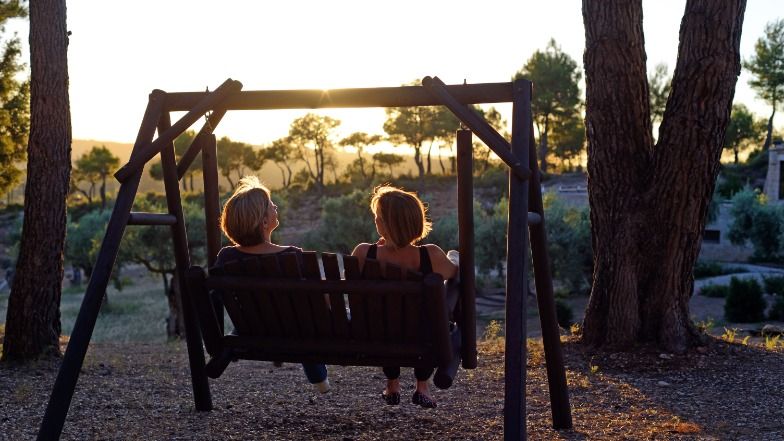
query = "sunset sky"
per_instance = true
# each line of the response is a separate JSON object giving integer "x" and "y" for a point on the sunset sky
{"x": 120, "y": 51}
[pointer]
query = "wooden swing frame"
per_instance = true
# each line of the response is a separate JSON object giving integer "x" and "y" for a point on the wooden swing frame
{"x": 525, "y": 209}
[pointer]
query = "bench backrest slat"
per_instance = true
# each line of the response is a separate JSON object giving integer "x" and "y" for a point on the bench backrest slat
{"x": 394, "y": 306}
{"x": 356, "y": 301}
{"x": 265, "y": 310}
{"x": 340, "y": 324}
{"x": 299, "y": 300}
{"x": 319, "y": 303}
{"x": 374, "y": 302}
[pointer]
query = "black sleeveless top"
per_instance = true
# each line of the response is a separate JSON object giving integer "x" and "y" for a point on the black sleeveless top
{"x": 425, "y": 267}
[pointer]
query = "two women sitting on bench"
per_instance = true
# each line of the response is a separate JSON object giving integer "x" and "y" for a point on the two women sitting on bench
{"x": 250, "y": 216}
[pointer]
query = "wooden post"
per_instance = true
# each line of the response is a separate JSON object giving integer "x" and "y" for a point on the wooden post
{"x": 64, "y": 385}
{"x": 209, "y": 161}
{"x": 197, "y": 145}
{"x": 516, "y": 272}
{"x": 465, "y": 223}
{"x": 201, "y": 386}
{"x": 551, "y": 338}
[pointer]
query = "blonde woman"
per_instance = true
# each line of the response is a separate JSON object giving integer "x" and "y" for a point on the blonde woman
{"x": 248, "y": 219}
{"x": 401, "y": 223}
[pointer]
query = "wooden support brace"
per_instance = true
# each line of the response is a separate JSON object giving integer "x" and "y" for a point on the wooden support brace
{"x": 551, "y": 337}
{"x": 64, "y": 385}
{"x": 198, "y": 143}
{"x": 478, "y": 125}
{"x": 148, "y": 151}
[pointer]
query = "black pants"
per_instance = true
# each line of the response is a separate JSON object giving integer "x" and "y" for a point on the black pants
{"x": 421, "y": 374}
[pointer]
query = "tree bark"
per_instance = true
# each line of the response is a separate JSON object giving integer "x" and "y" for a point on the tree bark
{"x": 33, "y": 317}
{"x": 769, "y": 134}
{"x": 648, "y": 202}
{"x": 175, "y": 322}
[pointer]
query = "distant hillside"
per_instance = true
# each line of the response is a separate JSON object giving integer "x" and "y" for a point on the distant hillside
{"x": 269, "y": 174}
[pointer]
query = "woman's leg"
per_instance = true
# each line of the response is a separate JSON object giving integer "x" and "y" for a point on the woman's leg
{"x": 316, "y": 373}
{"x": 422, "y": 394}
{"x": 317, "y": 376}
{"x": 391, "y": 393}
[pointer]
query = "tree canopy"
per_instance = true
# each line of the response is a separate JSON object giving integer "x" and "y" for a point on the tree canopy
{"x": 767, "y": 70}
{"x": 94, "y": 167}
{"x": 556, "y": 96}
{"x": 14, "y": 103}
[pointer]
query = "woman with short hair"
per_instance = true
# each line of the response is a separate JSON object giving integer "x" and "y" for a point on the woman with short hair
{"x": 248, "y": 219}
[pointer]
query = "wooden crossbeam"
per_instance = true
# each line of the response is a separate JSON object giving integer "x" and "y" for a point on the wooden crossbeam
{"x": 337, "y": 98}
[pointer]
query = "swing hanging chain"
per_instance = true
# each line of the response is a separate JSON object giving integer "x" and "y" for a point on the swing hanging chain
{"x": 208, "y": 115}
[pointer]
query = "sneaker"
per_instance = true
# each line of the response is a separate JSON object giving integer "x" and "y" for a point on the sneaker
{"x": 323, "y": 386}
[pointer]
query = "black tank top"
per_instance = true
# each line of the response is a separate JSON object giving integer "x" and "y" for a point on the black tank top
{"x": 425, "y": 267}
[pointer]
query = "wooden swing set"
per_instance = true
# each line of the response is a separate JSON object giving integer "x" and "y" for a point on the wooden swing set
{"x": 372, "y": 320}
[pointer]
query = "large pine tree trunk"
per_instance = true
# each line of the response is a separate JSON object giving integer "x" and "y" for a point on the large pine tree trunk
{"x": 33, "y": 317}
{"x": 648, "y": 202}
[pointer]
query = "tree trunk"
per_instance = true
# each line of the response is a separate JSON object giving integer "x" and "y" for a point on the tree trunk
{"x": 769, "y": 135}
{"x": 103, "y": 193}
{"x": 648, "y": 203}
{"x": 175, "y": 322}
{"x": 33, "y": 317}
{"x": 417, "y": 161}
{"x": 543, "y": 148}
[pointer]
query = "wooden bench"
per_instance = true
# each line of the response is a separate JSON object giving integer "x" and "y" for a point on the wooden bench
{"x": 284, "y": 310}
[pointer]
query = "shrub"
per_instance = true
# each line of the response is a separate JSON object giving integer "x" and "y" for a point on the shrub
{"x": 744, "y": 302}
{"x": 704, "y": 269}
{"x": 774, "y": 285}
{"x": 715, "y": 291}
{"x": 777, "y": 310}
{"x": 345, "y": 222}
{"x": 756, "y": 221}
{"x": 564, "y": 314}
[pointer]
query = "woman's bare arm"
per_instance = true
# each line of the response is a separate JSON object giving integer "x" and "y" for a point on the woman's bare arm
{"x": 441, "y": 264}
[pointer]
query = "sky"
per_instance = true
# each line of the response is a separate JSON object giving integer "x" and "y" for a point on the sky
{"x": 120, "y": 51}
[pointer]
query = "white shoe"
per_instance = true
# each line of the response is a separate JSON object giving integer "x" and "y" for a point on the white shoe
{"x": 322, "y": 387}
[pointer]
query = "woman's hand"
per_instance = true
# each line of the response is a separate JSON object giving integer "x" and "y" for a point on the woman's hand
{"x": 381, "y": 242}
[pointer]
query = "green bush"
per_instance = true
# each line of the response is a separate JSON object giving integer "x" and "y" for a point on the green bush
{"x": 774, "y": 285}
{"x": 744, "y": 302}
{"x": 777, "y": 310}
{"x": 564, "y": 314}
{"x": 569, "y": 243}
{"x": 345, "y": 222}
{"x": 756, "y": 221}
{"x": 704, "y": 269}
{"x": 715, "y": 291}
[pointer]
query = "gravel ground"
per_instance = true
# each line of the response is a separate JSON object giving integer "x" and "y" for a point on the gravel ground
{"x": 130, "y": 391}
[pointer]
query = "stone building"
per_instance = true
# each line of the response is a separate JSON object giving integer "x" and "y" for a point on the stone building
{"x": 715, "y": 243}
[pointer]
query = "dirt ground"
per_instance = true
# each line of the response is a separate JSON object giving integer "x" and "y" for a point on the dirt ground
{"x": 136, "y": 391}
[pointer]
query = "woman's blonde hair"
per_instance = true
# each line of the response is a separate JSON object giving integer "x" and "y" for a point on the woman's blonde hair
{"x": 243, "y": 214}
{"x": 402, "y": 213}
